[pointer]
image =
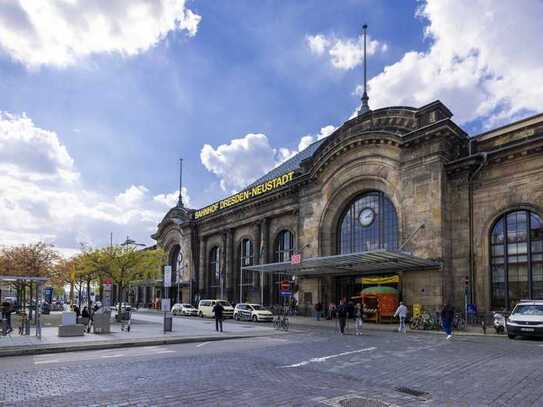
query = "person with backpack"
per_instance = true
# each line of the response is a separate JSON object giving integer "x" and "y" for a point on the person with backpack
{"x": 218, "y": 312}
{"x": 318, "y": 310}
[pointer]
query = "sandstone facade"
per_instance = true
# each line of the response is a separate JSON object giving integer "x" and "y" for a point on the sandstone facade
{"x": 448, "y": 190}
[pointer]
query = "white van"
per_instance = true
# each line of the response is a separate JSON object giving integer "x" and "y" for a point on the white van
{"x": 205, "y": 308}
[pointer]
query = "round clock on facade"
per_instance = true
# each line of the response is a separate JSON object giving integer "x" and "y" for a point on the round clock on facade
{"x": 366, "y": 217}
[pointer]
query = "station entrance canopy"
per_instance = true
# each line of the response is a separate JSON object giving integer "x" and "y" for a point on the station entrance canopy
{"x": 371, "y": 262}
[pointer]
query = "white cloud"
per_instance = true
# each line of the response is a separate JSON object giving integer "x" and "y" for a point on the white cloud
{"x": 170, "y": 200}
{"x": 484, "y": 62}
{"x": 306, "y": 141}
{"x": 59, "y": 33}
{"x": 344, "y": 53}
{"x": 243, "y": 160}
{"x": 42, "y": 197}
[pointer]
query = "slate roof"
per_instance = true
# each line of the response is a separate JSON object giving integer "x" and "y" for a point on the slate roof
{"x": 291, "y": 164}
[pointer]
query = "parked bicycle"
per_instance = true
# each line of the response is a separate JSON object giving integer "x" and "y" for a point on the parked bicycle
{"x": 281, "y": 320}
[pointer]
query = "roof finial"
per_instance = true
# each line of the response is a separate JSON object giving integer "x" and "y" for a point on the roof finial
{"x": 180, "y": 202}
{"x": 365, "y": 107}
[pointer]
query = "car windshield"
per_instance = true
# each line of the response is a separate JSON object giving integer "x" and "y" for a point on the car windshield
{"x": 224, "y": 303}
{"x": 529, "y": 310}
{"x": 258, "y": 307}
{"x": 187, "y": 305}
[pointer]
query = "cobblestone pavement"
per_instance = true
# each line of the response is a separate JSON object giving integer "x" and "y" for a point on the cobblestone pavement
{"x": 311, "y": 368}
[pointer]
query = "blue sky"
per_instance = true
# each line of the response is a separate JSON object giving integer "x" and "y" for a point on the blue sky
{"x": 118, "y": 106}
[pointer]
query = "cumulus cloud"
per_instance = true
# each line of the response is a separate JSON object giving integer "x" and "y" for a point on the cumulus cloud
{"x": 476, "y": 64}
{"x": 243, "y": 160}
{"x": 59, "y": 33}
{"x": 170, "y": 200}
{"x": 43, "y": 198}
{"x": 344, "y": 53}
{"x": 309, "y": 139}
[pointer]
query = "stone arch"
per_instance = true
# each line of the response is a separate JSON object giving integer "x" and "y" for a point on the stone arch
{"x": 343, "y": 197}
{"x": 482, "y": 246}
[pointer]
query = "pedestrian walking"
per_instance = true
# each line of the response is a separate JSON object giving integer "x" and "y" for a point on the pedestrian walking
{"x": 318, "y": 310}
{"x": 447, "y": 317}
{"x": 332, "y": 310}
{"x": 218, "y": 311}
{"x": 358, "y": 319}
{"x": 6, "y": 314}
{"x": 401, "y": 312}
{"x": 342, "y": 313}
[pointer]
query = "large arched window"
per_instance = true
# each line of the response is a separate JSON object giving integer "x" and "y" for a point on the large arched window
{"x": 247, "y": 259}
{"x": 516, "y": 258}
{"x": 369, "y": 223}
{"x": 284, "y": 246}
{"x": 247, "y": 253}
{"x": 214, "y": 267}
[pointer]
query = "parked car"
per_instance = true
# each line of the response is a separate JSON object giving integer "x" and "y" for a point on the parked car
{"x": 252, "y": 312}
{"x": 124, "y": 307}
{"x": 205, "y": 308}
{"x": 45, "y": 308}
{"x": 526, "y": 319}
{"x": 57, "y": 306}
{"x": 184, "y": 309}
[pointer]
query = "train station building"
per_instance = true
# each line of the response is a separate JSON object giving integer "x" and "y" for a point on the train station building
{"x": 397, "y": 197}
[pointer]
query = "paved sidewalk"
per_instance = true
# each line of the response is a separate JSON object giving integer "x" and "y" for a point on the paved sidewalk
{"x": 146, "y": 329}
{"x": 299, "y": 322}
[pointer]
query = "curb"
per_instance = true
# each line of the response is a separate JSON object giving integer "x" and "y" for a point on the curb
{"x": 76, "y": 347}
{"x": 365, "y": 327}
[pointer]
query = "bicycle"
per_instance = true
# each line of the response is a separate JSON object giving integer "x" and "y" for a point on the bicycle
{"x": 281, "y": 321}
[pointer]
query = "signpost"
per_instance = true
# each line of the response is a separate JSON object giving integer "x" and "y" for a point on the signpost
{"x": 165, "y": 305}
{"x": 108, "y": 286}
{"x": 296, "y": 259}
{"x": 284, "y": 289}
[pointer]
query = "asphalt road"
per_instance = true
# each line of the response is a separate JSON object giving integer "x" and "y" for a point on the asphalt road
{"x": 306, "y": 368}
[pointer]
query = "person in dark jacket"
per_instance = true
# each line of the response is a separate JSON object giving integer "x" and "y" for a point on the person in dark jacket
{"x": 318, "y": 310}
{"x": 218, "y": 311}
{"x": 6, "y": 314}
{"x": 447, "y": 317}
{"x": 342, "y": 312}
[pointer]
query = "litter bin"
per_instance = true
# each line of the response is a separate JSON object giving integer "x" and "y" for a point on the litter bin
{"x": 168, "y": 322}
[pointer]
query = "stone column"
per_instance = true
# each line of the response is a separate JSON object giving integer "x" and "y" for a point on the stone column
{"x": 229, "y": 257}
{"x": 202, "y": 287}
{"x": 267, "y": 278}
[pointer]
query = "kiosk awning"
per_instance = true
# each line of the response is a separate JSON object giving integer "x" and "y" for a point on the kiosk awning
{"x": 375, "y": 261}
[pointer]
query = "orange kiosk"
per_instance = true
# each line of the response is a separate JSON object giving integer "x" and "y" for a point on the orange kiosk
{"x": 380, "y": 297}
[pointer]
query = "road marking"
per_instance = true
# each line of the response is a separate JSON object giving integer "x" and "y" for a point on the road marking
{"x": 325, "y": 358}
{"x": 164, "y": 351}
{"x": 118, "y": 355}
{"x": 202, "y": 344}
{"x": 39, "y": 362}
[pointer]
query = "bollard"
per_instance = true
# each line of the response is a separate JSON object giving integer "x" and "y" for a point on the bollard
{"x": 4, "y": 326}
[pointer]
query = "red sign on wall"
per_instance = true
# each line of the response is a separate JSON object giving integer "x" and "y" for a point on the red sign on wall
{"x": 285, "y": 285}
{"x": 296, "y": 259}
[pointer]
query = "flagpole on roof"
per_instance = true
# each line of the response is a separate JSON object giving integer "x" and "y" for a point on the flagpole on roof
{"x": 180, "y": 202}
{"x": 365, "y": 106}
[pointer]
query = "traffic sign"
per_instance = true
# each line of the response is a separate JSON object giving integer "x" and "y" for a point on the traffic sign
{"x": 296, "y": 259}
{"x": 285, "y": 293}
{"x": 285, "y": 285}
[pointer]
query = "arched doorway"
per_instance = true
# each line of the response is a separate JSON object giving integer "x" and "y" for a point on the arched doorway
{"x": 368, "y": 223}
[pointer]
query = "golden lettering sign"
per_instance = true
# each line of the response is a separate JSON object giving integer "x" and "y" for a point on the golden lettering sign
{"x": 245, "y": 195}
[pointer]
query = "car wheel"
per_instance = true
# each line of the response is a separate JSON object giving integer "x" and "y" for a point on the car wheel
{"x": 201, "y": 314}
{"x": 511, "y": 336}
{"x": 236, "y": 317}
{"x": 255, "y": 318}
